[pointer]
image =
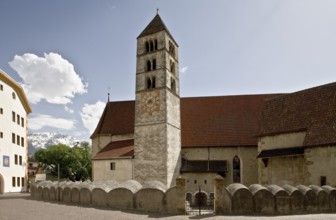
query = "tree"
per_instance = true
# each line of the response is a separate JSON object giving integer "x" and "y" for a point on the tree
{"x": 75, "y": 163}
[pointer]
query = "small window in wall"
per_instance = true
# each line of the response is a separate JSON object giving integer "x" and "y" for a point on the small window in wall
{"x": 13, "y": 116}
{"x": 1, "y": 110}
{"x": 14, "y": 95}
{"x": 147, "y": 46}
{"x": 205, "y": 181}
{"x": 18, "y": 140}
{"x": 151, "y": 46}
{"x": 151, "y": 82}
{"x": 323, "y": 180}
{"x": 18, "y": 181}
{"x": 13, "y": 181}
{"x": 22, "y": 181}
{"x": 195, "y": 181}
{"x": 1, "y": 134}
{"x": 154, "y": 64}
{"x": 16, "y": 159}
{"x": 149, "y": 65}
{"x": 22, "y": 141}
{"x": 155, "y": 45}
{"x": 1, "y": 87}
{"x": 112, "y": 165}
{"x": 18, "y": 119}
{"x": 171, "y": 49}
{"x": 172, "y": 85}
{"x": 22, "y": 122}
{"x": 13, "y": 138}
{"x": 148, "y": 83}
{"x": 236, "y": 169}
{"x": 172, "y": 66}
{"x": 20, "y": 160}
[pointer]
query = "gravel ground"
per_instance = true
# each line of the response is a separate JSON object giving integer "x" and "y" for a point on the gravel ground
{"x": 21, "y": 206}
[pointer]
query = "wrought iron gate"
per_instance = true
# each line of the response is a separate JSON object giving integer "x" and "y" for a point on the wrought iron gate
{"x": 200, "y": 203}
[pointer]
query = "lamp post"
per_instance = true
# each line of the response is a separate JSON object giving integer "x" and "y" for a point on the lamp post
{"x": 58, "y": 182}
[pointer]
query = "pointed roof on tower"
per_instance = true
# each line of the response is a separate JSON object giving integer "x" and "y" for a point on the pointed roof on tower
{"x": 156, "y": 25}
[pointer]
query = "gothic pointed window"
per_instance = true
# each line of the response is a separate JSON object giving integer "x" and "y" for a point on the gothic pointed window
{"x": 236, "y": 169}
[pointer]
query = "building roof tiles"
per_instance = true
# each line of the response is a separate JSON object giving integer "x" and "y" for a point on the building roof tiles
{"x": 116, "y": 149}
{"x": 311, "y": 110}
{"x": 205, "y": 121}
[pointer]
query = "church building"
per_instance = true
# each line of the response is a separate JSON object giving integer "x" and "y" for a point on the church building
{"x": 267, "y": 139}
{"x": 297, "y": 138}
{"x": 161, "y": 136}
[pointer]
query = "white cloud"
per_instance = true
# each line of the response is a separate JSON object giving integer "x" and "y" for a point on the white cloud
{"x": 91, "y": 114}
{"x": 67, "y": 109}
{"x": 184, "y": 69}
{"x": 50, "y": 77}
{"x": 39, "y": 121}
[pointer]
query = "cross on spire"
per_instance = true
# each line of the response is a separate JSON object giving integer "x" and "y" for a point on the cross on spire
{"x": 157, "y": 11}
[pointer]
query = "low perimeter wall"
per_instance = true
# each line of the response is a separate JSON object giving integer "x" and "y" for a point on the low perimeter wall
{"x": 235, "y": 199}
{"x": 272, "y": 199}
{"x": 151, "y": 197}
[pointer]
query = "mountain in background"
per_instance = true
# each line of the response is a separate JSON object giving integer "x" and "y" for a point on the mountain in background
{"x": 45, "y": 139}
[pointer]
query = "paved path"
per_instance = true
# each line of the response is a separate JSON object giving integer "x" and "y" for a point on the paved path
{"x": 21, "y": 206}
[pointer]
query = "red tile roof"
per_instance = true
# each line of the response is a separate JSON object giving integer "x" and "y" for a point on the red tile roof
{"x": 312, "y": 110}
{"x": 221, "y": 121}
{"x": 205, "y": 121}
{"x": 117, "y": 119}
{"x": 116, "y": 149}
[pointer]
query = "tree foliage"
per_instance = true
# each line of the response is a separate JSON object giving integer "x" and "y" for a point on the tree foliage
{"x": 75, "y": 163}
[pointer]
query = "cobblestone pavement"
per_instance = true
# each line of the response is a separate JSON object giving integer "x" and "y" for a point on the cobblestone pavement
{"x": 21, "y": 206}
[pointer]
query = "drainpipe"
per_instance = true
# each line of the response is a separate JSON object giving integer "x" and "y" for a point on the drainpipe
{"x": 208, "y": 158}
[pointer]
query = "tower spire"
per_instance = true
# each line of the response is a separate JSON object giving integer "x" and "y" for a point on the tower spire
{"x": 108, "y": 94}
{"x": 157, "y": 11}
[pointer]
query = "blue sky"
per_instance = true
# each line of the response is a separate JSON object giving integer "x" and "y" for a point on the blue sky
{"x": 69, "y": 54}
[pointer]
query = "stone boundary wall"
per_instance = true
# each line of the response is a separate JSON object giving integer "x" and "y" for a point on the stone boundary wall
{"x": 151, "y": 197}
{"x": 235, "y": 199}
{"x": 256, "y": 199}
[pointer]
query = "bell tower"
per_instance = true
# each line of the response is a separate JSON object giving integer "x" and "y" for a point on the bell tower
{"x": 157, "y": 132}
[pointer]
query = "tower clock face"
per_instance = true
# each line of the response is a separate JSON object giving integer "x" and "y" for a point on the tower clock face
{"x": 150, "y": 102}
